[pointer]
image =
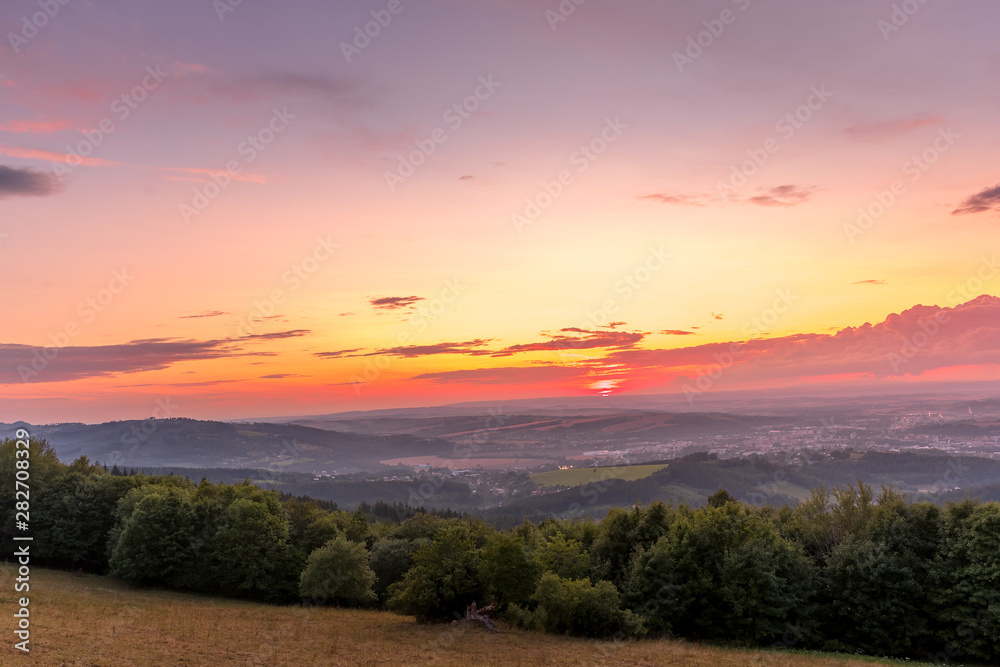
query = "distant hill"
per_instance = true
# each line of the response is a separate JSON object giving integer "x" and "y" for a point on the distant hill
{"x": 539, "y": 427}
{"x": 983, "y": 398}
{"x": 754, "y": 480}
{"x": 969, "y": 427}
{"x": 209, "y": 444}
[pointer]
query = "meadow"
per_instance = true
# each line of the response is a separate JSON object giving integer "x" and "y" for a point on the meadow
{"x": 578, "y": 476}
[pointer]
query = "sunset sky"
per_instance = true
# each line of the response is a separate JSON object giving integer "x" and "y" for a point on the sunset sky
{"x": 257, "y": 209}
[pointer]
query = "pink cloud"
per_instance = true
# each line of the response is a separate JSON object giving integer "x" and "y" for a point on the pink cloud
{"x": 908, "y": 343}
{"x": 681, "y": 199}
{"x": 921, "y": 340}
{"x": 891, "y": 127}
{"x": 49, "y": 156}
{"x": 205, "y": 175}
{"x": 35, "y": 126}
{"x": 782, "y": 195}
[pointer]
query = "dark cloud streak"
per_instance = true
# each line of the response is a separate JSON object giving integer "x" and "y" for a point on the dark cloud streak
{"x": 26, "y": 363}
{"x": 16, "y": 181}
{"x": 987, "y": 200}
{"x": 394, "y": 302}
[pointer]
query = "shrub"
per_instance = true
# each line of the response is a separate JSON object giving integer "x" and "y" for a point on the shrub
{"x": 577, "y": 607}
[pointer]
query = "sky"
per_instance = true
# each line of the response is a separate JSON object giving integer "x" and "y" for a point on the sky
{"x": 249, "y": 209}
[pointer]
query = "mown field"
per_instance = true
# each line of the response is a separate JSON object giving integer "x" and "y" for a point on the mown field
{"x": 578, "y": 476}
{"x": 100, "y": 622}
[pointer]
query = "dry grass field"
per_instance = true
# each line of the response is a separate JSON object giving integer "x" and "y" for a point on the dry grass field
{"x": 98, "y": 621}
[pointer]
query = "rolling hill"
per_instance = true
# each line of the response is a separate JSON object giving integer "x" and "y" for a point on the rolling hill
{"x": 209, "y": 444}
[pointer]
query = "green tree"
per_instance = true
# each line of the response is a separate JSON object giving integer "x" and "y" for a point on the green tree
{"x": 614, "y": 545}
{"x": 228, "y": 539}
{"x": 338, "y": 573}
{"x": 153, "y": 544}
{"x": 565, "y": 558}
{"x": 720, "y": 498}
{"x": 722, "y": 573}
{"x": 507, "y": 570}
{"x": 390, "y": 558}
{"x": 444, "y": 578}
{"x": 879, "y": 584}
{"x": 810, "y": 524}
{"x": 250, "y": 550}
{"x": 41, "y": 466}
{"x": 358, "y": 529}
{"x": 969, "y": 600}
{"x": 420, "y": 525}
{"x": 302, "y": 513}
{"x": 323, "y": 529}
{"x": 653, "y": 523}
{"x": 74, "y": 515}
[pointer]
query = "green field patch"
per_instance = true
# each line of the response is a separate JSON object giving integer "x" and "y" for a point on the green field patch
{"x": 578, "y": 476}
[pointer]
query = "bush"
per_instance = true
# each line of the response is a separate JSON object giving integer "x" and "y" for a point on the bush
{"x": 577, "y": 607}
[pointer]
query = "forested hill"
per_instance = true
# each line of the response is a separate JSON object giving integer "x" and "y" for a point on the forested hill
{"x": 934, "y": 476}
{"x": 209, "y": 444}
{"x": 755, "y": 480}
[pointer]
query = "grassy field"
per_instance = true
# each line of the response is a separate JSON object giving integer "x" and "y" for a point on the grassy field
{"x": 100, "y": 622}
{"x": 577, "y": 476}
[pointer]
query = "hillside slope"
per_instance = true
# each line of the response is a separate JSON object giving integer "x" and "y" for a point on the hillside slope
{"x": 98, "y": 621}
{"x": 208, "y": 444}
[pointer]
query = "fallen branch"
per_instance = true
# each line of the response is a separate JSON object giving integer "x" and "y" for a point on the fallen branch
{"x": 481, "y": 615}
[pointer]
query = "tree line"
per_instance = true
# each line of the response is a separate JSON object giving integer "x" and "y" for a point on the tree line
{"x": 847, "y": 570}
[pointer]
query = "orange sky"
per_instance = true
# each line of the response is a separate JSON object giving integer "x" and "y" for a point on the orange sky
{"x": 249, "y": 214}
